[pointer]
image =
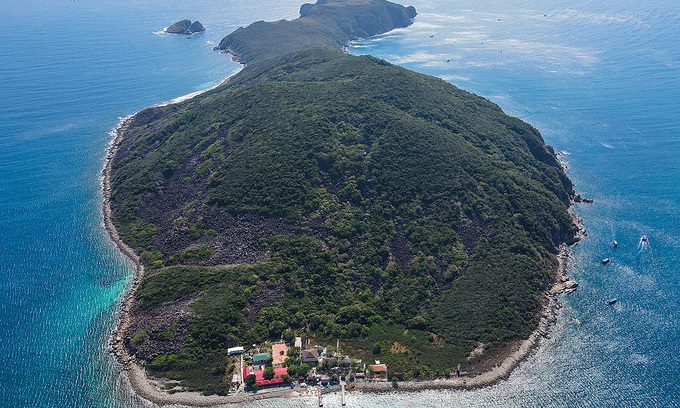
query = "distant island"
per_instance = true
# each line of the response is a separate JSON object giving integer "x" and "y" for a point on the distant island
{"x": 185, "y": 27}
{"x": 322, "y": 217}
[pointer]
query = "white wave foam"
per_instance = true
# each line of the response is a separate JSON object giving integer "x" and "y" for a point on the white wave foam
{"x": 196, "y": 93}
{"x": 424, "y": 59}
{"x": 450, "y": 78}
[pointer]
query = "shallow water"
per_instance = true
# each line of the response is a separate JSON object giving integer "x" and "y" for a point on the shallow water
{"x": 600, "y": 80}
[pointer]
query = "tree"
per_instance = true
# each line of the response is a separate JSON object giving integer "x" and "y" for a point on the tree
{"x": 292, "y": 370}
{"x": 276, "y": 328}
{"x": 303, "y": 370}
{"x": 377, "y": 349}
{"x": 249, "y": 381}
{"x": 139, "y": 338}
{"x": 268, "y": 373}
{"x": 288, "y": 336}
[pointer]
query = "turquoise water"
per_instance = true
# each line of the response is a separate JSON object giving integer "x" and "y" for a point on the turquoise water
{"x": 600, "y": 80}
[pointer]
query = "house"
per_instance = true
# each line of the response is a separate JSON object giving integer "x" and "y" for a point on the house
{"x": 260, "y": 381}
{"x": 298, "y": 342}
{"x": 310, "y": 356}
{"x": 378, "y": 370}
{"x": 233, "y": 351}
{"x": 261, "y": 359}
{"x": 279, "y": 354}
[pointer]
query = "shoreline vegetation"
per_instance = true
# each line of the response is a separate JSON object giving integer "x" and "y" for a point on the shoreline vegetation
{"x": 499, "y": 366}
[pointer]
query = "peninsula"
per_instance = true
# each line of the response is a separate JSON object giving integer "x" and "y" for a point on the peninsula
{"x": 323, "y": 217}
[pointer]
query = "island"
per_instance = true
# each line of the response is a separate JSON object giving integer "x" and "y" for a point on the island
{"x": 185, "y": 27}
{"x": 324, "y": 217}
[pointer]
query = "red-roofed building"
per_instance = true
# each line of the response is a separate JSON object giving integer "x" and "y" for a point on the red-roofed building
{"x": 378, "y": 370}
{"x": 259, "y": 376}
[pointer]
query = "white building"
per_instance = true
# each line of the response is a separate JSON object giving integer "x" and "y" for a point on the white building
{"x": 232, "y": 351}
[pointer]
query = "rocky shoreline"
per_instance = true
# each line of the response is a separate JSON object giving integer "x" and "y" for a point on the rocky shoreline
{"x": 117, "y": 342}
{"x": 141, "y": 386}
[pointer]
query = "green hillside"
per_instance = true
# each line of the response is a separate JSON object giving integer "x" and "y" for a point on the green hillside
{"x": 338, "y": 197}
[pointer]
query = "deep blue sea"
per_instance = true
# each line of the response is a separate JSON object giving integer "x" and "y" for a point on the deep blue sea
{"x": 599, "y": 79}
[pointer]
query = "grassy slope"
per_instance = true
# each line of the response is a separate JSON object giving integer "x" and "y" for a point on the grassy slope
{"x": 419, "y": 213}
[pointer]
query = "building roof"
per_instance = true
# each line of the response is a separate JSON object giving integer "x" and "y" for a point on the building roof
{"x": 378, "y": 368}
{"x": 259, "y": 375}
{"x": 309, "y": 356}
{"x": 262, "y": 357}
{"x": 279, "y": 353}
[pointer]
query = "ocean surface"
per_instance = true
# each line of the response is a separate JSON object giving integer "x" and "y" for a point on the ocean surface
{"x": 599, "y": 79}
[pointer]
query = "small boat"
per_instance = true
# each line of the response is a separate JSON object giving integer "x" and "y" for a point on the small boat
{"x": 644, "y": 243}
{"x": 612, "y": 301}
{"x": 606, "y": 261}
{"x": 615, "y": 244}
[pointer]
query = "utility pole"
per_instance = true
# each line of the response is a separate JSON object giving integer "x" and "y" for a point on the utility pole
{"x": 342, "y": 392}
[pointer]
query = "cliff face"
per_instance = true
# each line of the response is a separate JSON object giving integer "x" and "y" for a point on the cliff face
{"x": 327, "y": 24}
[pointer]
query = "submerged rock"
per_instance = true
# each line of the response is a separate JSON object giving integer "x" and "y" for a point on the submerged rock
{"x": 185, "y": 27}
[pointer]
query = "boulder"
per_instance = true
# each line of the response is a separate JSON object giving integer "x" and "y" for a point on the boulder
{"x": 179, "y": 27}
{"x": 570, "y": 284}
{"x": 196, "y": 27}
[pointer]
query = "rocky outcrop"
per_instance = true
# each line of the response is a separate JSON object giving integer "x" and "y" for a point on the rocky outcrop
{"x": 566, "y": 286}
{"x": 185, "y": 27}
{"x": 304, "y": 9}
{"x": 578, "y": 198}
{"x": 196, "y": 27}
